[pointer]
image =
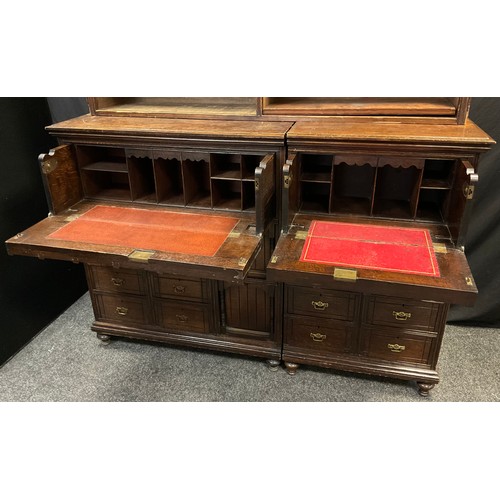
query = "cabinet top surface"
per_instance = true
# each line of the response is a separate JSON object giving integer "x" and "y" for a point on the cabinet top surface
{"x": 468, "y": 134}
{"x": 221, "y": 129}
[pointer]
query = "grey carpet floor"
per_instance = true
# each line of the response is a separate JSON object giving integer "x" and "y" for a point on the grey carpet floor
{"x": 66, "y": 362}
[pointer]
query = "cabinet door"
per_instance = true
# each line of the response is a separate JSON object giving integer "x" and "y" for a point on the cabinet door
{"x": 291, "y": 186}
{"x": 248, "y": 310}
{"x": 459, "y": 208}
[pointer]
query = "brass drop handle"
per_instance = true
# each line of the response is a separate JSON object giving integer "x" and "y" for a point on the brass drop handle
{"x": 122, "y": 311}
{"x": 401, "y": 315}
{"x": 179, "y": 289}
{"x": 181, "y": 318}
{"x": 396, "y": 347}
{"x": 318, "y": 337}
{"x": 117, "y": 281}
{"x": 319, "y": 305}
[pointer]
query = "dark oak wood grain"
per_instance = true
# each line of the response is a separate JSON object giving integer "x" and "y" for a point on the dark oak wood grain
{"x": 274, "y": 165}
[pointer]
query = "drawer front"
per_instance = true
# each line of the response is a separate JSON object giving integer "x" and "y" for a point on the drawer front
{"x": 183, "y": 317}
{"x": 319, "y": 336}
{"x": 401, "y": 313}
{"x": 107, "y": 279}
{"x": 122, "y": 309}
{"x": 389, "y": 345}
{"x": 166, "y": 286}
{"x": 322, "y": 303}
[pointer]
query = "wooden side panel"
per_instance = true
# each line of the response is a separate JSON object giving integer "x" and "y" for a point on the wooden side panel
{"x": 264, "y": 193}
{"x": 61, "y": 178}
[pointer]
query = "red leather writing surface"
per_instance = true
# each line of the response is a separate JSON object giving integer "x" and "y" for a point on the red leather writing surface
{"x": 163, "y": 231}
{"x": 383, "y": 248}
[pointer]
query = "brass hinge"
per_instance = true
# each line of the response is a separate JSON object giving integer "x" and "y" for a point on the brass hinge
{"x": 242, "y": 262}
{"x": 468, "y": 281}
{"x": 440, "y": 248}
{"x": 301, "y": 235}
{"x": 469, "y": 191}
{"x": 345, "y": 274}
{"x": 234, "y": 234}
{"x": 140, "y": 255}
{"x": 287, "y": 181}
{"x": 274, "y": 259}
{"x": 257, "y": 184}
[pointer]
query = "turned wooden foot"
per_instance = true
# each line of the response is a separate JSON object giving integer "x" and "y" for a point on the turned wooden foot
{"x": 291, "y": 368}
{"x": 424, "y": 388}
{"x": 273, "y": 364}
{"x": 105, "y": 339}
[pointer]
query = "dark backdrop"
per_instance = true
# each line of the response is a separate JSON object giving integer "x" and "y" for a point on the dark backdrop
{"x": 32, "y": 292}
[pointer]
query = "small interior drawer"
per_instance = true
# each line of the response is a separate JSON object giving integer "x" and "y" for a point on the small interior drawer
{"x": 391, "y": 346}
{"x": 107, "y": 279}
{"x": 321, "y": 303}
{"x": 317, "y": 335}
{"x": 402, "y": 313}
{"x": 122, "y": 309}
{"x": 166, "y": 286}
{"x": 182, "y": 316}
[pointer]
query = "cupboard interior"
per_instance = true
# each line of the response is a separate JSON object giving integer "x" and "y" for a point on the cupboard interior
{"x": 399, "y": 188}
{"x": 222, "y": 181}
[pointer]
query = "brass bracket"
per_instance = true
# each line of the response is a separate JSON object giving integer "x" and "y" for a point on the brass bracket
{"x": 440, "y": 248}
{"x": 140, "y": 255}
{"x": 234, "y": 234}
{"x": 287, "y": 181}
{"x": 257, "y": 184}
{"x": 345, "y": 274}
{"x": 468, "y": 281}
{"x": 301, "y": 235}
{"x": 274, "y": 259}
{"x": 71, "y": 218}
{"x": 242, "y": 262}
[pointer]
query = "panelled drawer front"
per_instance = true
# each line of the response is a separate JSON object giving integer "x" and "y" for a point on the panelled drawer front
{"x": 317, "y": 335}
{"x": 107, "y": 279}
{"x": 122, "y": 309}
{"x": 322, "y": 303}
{"x": 402, "y": 313}
{"x": 390, "y": 345}
{"x": 166, "y": 286}
{"x": 182, "y": 316}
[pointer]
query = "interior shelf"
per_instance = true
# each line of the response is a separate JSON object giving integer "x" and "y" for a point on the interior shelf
{"x": 161, "y": 106}
{"x": 361, "y": 106}
{"x": 106, "y": 166}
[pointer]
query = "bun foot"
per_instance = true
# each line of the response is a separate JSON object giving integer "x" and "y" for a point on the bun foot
{"x": 105, "y": 339}
{"x": 273, "y": 364}
{"x": 424, "y": 388}
{"x": 291, "y": 368}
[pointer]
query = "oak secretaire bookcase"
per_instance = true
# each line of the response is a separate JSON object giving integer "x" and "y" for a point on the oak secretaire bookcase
{"x": 324, "y": 231}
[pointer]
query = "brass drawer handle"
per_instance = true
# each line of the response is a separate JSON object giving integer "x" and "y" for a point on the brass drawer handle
{"x": 179, "y": 289}
{"x": 122, "y": 311}
{"x": 117, "y": 281}
{"x": 319, "y": 305}
{"x": 318, "y": 337}
{"x": 396, "y": 347}
{"x": 401, "y": 315}
{"x": 181, "y": 318}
